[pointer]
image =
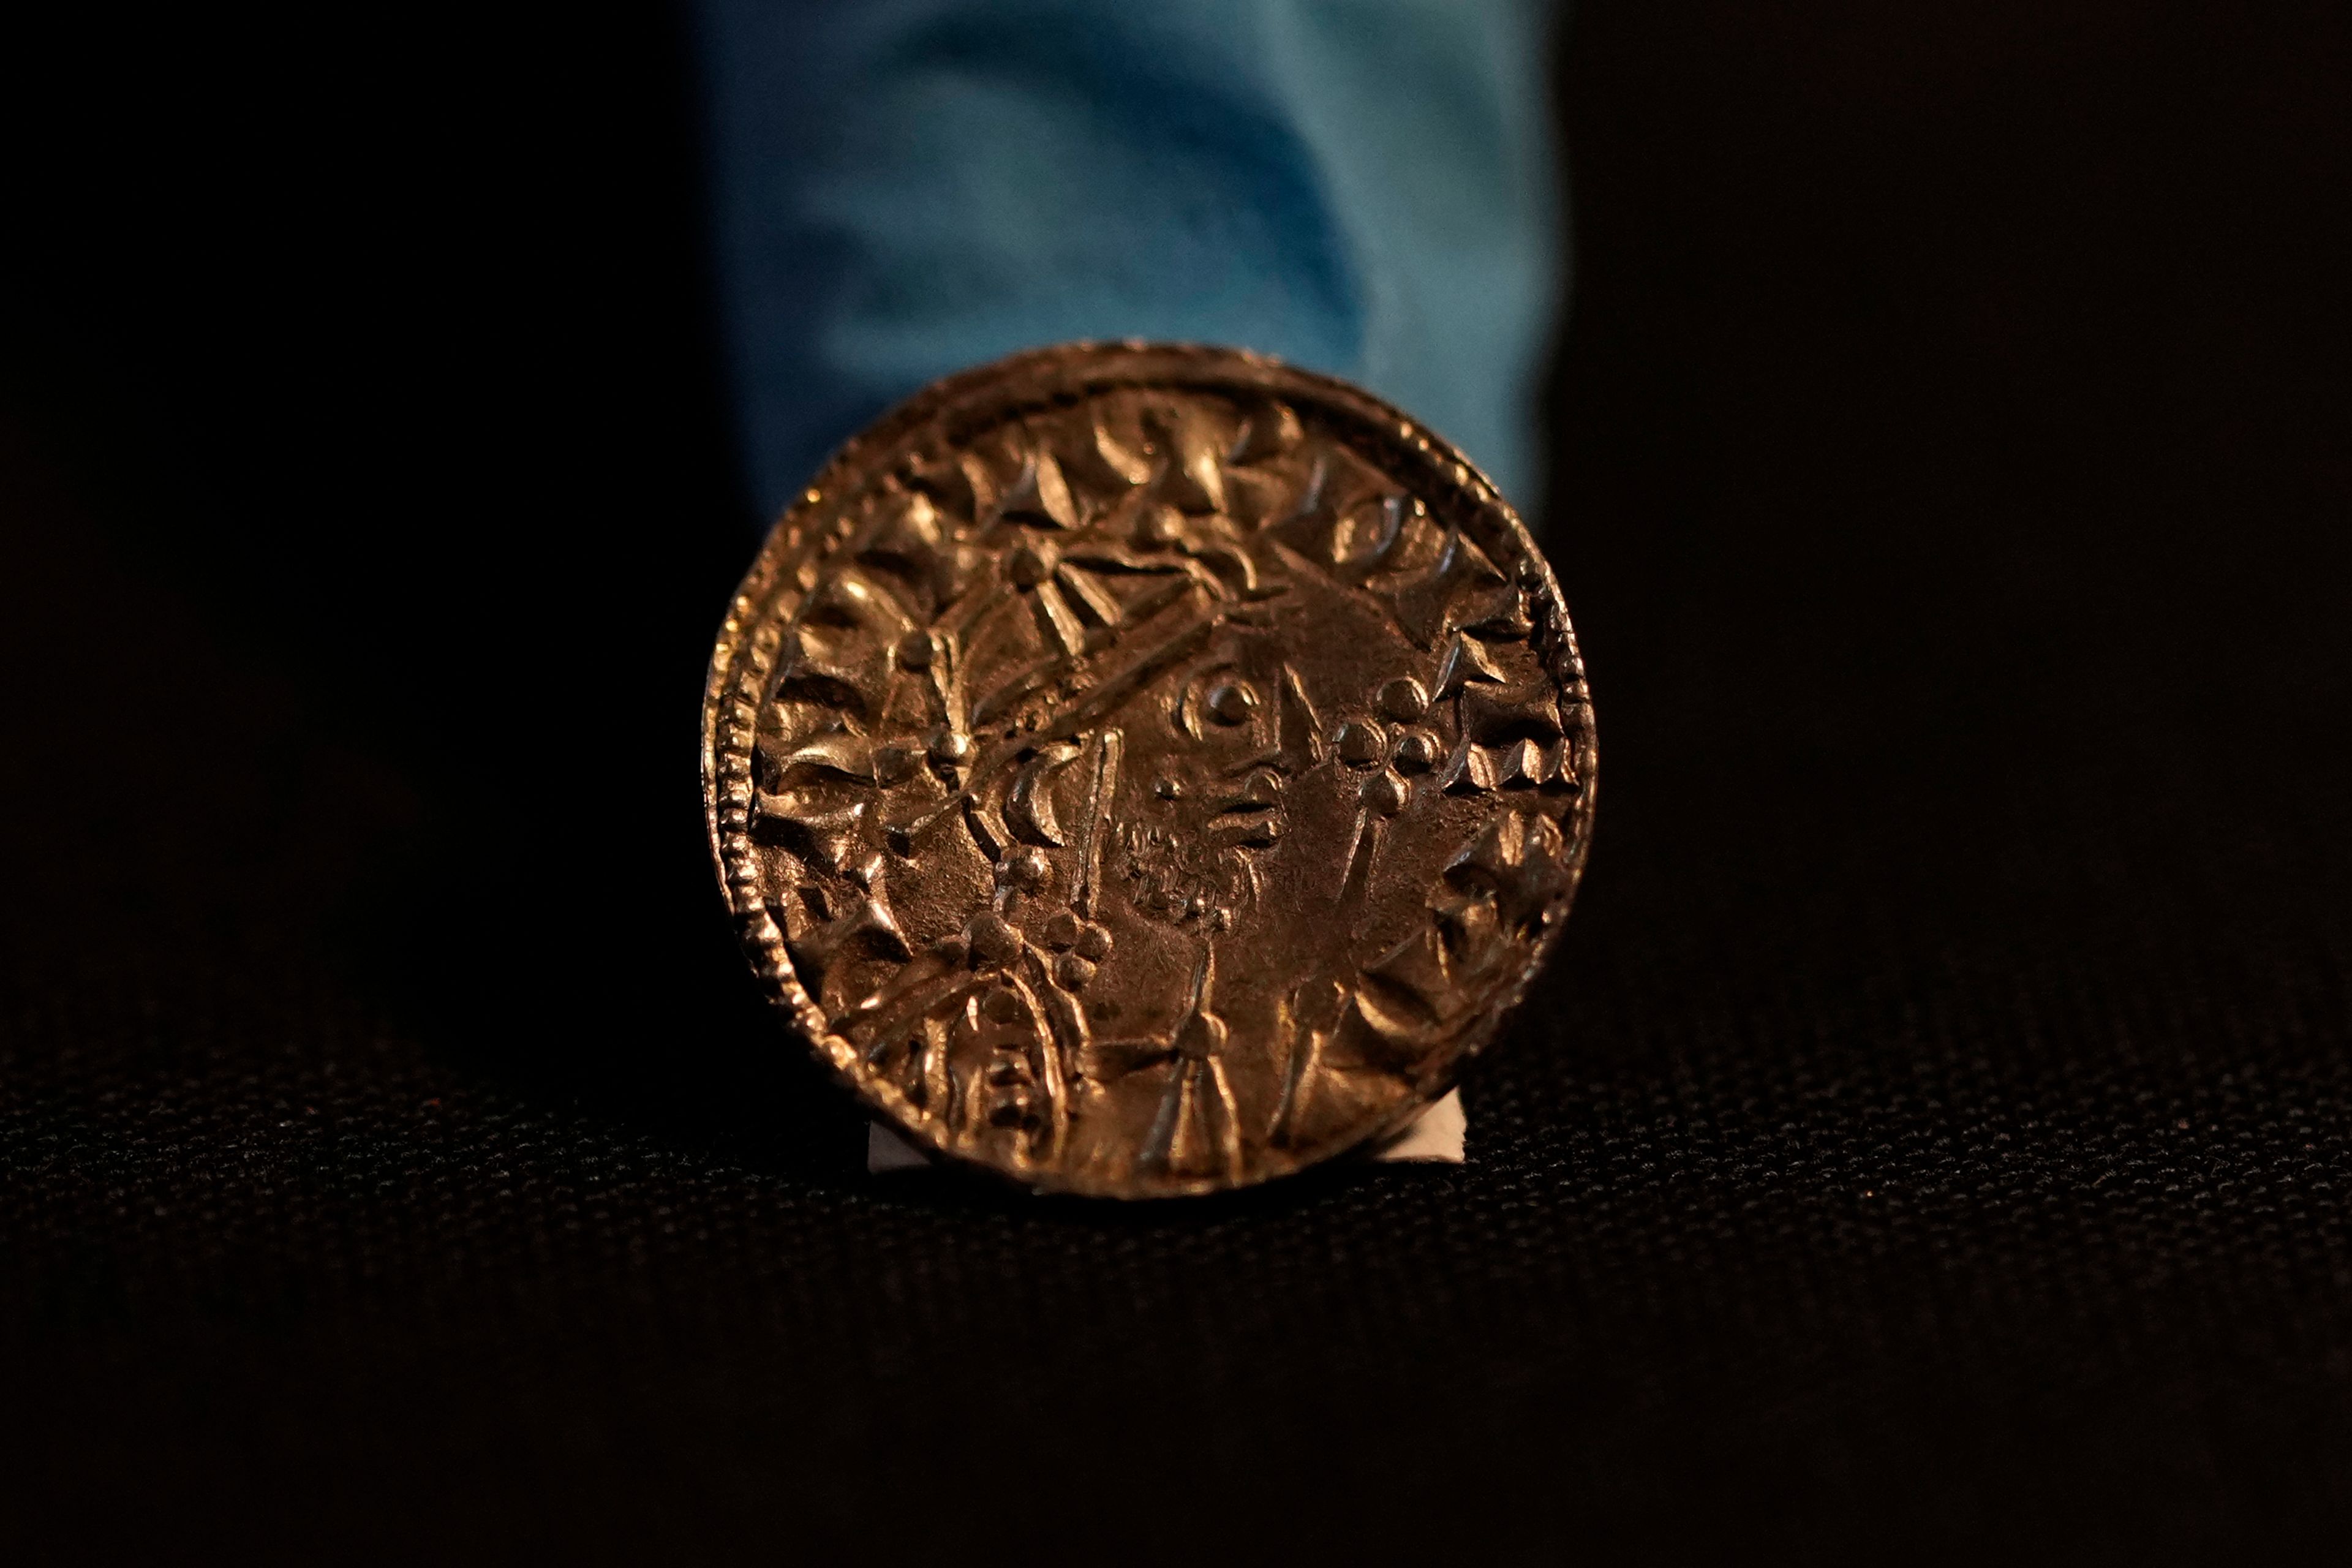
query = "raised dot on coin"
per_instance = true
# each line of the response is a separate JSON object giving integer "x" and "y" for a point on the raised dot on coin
{"x": 1093, "y": 943}
{"x": 952, "y": 949}
{"x": 915, "y": 651}
{"x": 1029, "y": 871}
{"x": 893, "y": 764}
{"x": 1404, "y": 700}
{"x": 1062, "y": 932}
{"x": 1384, "y": 792}
{"x": 951, "y": 746}
{"x": 1168, "y": 787}
{"x": 1360, "y": 743}
{"x": 1231, "y": 702}
{"x": 1002, "y": 1007}
{"x": 993, "y": 940}
{"x": 1071, "y": 973}
{"x": 1416, "y": 750}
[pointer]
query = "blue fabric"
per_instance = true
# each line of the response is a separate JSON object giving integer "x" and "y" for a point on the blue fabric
{"x": 908, "y": 188}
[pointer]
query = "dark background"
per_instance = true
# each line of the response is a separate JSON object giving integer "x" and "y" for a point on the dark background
{"x": 1931, "y": 1144}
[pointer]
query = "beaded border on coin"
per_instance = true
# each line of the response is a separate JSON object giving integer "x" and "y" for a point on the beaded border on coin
{"x": 757, "y": 647}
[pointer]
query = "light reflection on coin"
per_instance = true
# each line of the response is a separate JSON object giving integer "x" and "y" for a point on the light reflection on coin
{"x": 1144, "y": 771}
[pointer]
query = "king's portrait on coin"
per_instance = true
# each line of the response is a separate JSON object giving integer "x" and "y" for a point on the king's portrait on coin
{"x": 1145, "y": 771}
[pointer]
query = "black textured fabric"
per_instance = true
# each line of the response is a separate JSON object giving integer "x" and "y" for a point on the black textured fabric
{"x": 1931, "y": 1145}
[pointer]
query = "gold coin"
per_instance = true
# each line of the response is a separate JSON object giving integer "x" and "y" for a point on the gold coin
{"x": 1143, "y": 770}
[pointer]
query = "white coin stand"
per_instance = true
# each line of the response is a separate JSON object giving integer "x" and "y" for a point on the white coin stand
{"x": 1435, "y": 1137}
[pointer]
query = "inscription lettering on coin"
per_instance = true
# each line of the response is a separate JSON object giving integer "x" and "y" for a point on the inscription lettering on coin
{"x": 1146, "y": 771}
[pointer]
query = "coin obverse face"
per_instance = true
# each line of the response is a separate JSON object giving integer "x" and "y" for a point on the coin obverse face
{"x": 1145, "y": 771}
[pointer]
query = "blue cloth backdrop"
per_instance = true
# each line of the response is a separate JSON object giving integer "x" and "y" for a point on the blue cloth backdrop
{"x": 908, "y": 188}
